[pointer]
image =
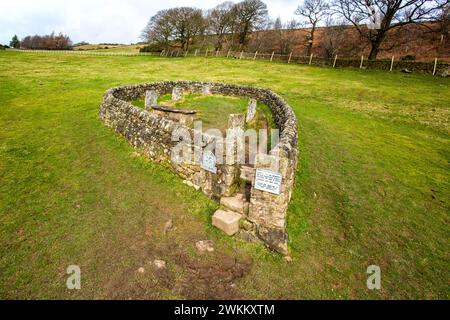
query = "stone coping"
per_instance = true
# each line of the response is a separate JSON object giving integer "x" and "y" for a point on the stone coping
{"x": 173, "y": 110}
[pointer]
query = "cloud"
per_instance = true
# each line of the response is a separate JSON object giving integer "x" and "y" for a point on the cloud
{"x": 98, "y": 21}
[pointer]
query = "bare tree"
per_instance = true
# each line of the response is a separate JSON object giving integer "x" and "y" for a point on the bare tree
{"x": 249, "y": 15}
{"x": 176, "y": 24}
{"x": 47, "y": 42}
{"x": 188, "y": 22}
{"x": 334, "y": 36}
{"x": 285, "y": 35}
{"x": 159, "y": 29}
{"x": 220, "y": 22}
{"x": 373, "y": 19}
{"x": 314, "y": 11}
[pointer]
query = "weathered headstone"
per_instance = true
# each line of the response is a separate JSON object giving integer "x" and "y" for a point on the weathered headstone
{"x": 251, "y": 110}
{"x": 151, "y": 99}
{"x": 177, "y": 93}
{"x": 236, "y": 120}
{"x": 206, "y": 90}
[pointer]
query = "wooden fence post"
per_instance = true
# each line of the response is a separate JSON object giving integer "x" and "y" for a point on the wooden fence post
{"x": 435, "y": 65}
{"x": 254, "y": 57}
{"x": 271, "y": 57}
{"x": 334, "y": 63}
{"x": 228, "y": 54}
{"x": 310, "y": 58}
{"x": 242, "y": 52}
{"x": 206, "y": 54}
{"x": 195, "y": 54}
{"x": 362, "y": 60}
{"x": 186, "y": 53}
{"x": 392, "y": 63}
{"x": 290, "y": 56}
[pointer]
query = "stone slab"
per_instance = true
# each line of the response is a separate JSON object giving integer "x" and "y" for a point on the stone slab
{"x": 227, "y": 221}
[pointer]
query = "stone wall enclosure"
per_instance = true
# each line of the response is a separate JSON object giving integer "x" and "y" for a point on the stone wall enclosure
{"x": 261, "y": 214}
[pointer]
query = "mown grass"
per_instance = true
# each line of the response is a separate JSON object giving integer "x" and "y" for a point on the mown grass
{"x": 212, "y": 110}
{"x": 371, "y": 186}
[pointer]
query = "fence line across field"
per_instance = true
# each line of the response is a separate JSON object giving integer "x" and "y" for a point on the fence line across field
{"x": 272, "y": 57}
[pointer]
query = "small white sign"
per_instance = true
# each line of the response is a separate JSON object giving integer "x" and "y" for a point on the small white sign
{"x": 209, "y": 162}
{"x": 269, "y": 181}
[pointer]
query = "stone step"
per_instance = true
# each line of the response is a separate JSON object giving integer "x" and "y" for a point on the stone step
{"x": 236, "y": 203}
{"x": 227, "y": 221}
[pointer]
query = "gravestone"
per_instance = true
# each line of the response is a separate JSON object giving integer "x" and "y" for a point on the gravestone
{"x": 177, "y": 93}
{"x": 206, "y": 90}
{"x": 236, "y": 120}
{"x": 251, "y": 110}
{"x": 151, "y": 99}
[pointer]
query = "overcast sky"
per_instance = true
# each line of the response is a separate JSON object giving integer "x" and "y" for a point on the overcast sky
{"x": 96, "y": 21}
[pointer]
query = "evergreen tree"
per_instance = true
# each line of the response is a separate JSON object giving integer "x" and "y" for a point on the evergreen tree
{"x": 14, "y": 42}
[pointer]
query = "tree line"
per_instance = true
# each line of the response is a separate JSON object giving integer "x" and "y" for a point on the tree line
{"x": 46, "y": 42}
{"x": 231, "y": 25}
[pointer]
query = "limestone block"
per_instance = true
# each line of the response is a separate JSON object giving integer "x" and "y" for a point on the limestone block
{"x": 177, "y": 93}
{"x": 227, "y": 221}
{"x": 206, "y": 89}
{"x": 236, "y": 120}
{"x": 251, "y": 110}
{"x": 151, "y": 99}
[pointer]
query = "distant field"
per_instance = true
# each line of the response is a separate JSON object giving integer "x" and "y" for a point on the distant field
{"x": 108, "y": 48}
{"x": 372, "y": 186}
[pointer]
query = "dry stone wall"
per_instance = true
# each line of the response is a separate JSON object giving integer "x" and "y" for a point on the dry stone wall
{"x": 152, "y": 134}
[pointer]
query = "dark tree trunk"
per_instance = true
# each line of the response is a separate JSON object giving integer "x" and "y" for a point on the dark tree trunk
{"x": 375, "y": 44}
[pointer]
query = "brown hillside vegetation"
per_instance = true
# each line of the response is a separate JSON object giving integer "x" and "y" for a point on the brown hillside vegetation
{"x": 421, "y": 42}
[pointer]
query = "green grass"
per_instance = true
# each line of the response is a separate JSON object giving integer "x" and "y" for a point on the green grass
{"x": 212, "y": 110}
{"x": 372, "y": 186}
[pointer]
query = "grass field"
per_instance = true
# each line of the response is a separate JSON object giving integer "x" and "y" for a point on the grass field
{"x": 372, "y": 186}
{"x": 123, "y": 48}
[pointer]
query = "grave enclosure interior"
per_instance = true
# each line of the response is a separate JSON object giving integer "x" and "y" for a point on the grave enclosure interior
{"x": 258, "y": 215}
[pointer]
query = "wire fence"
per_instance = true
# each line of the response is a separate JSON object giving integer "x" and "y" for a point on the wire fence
{"x": 432, "y": 67}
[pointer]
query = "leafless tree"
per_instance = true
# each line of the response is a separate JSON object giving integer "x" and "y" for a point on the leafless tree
{"x": 285, "y": 36}
{"x": 220, "y": 22}
{"x": 314, "y": 11}
{"x": 47, "y": 42}
{"x": 159, "y": 29}
{"x": 334, "y": 36}
{"x": 188, "y": 23}
{"x": 249, "y": 15}
{"x": 176, "y": 24}
{"x": 373, "y": 19}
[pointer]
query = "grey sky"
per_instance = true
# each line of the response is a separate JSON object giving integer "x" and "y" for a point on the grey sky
{"x": 98, "y": 21}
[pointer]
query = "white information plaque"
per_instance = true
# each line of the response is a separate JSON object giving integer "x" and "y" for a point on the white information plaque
{"x": 209, "y": 162}
{"x": 268, "y": 181}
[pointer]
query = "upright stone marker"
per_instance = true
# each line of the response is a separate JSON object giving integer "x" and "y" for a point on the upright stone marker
{"x": 251, "y": 110}
{"x": 177, "y": 93}
{"x": 206, "y": 90}
{"x": 236, "y": 120}
{"x": 151, "y": 99}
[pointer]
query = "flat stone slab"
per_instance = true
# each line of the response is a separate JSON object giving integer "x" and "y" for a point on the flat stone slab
{"x": 227, "y": 221}
{"x": 236, "y": 203}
